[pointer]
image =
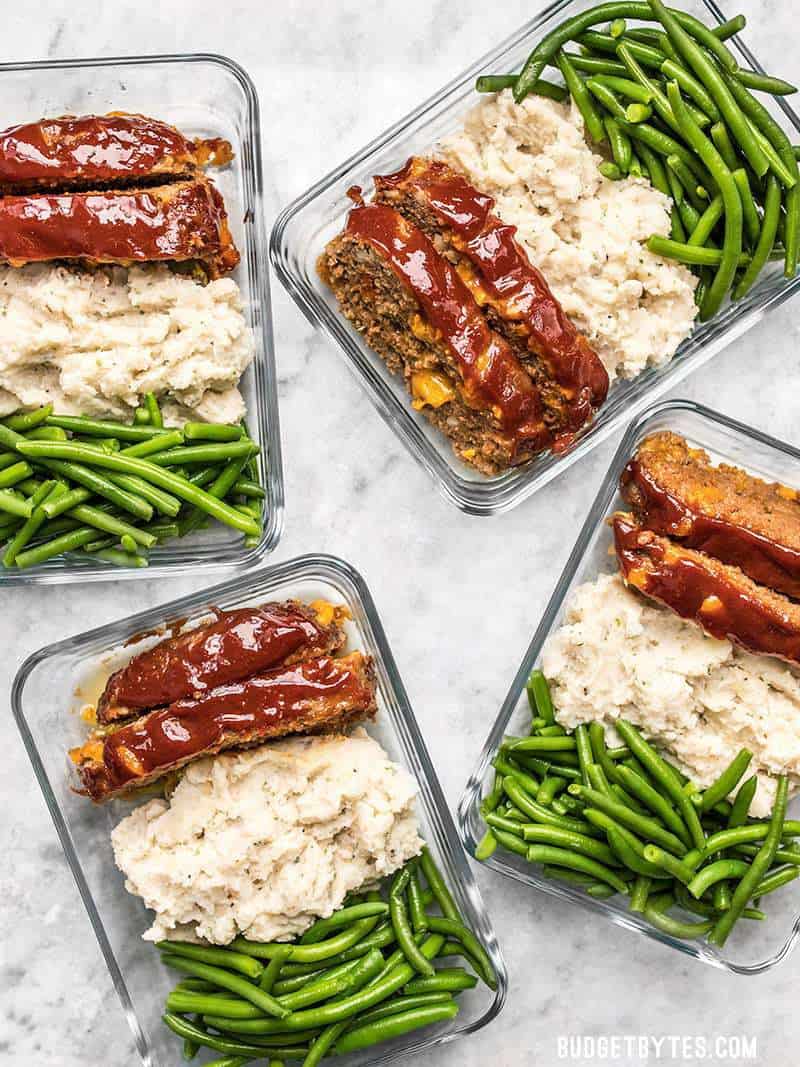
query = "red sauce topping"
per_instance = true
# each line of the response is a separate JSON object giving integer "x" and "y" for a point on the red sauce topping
{"x": 242, "y": 711}
{"x": 238, "y": 644}
{"x": 173, "y": 222}
{"x": 519, "y": 289}
{"x": 94, "y": 148}
{"x": 493, "y": 376}
{"x": 763, "y": 559}
{"x": 692, "y": 590}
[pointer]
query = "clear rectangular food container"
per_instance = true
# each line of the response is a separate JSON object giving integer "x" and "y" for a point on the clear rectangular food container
{"x": 47, "y": 696}
{"x": 754, "y": 946}
{"x": 306, "y": 225}
{"x": 204, "y": 96}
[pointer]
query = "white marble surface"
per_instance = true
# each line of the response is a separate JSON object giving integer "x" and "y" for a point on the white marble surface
{"x": 459, "y": 596}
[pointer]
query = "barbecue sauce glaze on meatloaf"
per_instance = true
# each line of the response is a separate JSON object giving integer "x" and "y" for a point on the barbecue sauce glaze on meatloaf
{"x": 98, "y": 151}
{"x": 447, "y": 298}
{"x": 236, "y": 644}
{"x": 182, "y": 221}
{"x": 417, "y": 313}
{"x": 512, "y": 292}
{"x": 723, "y": 511}
{"x": 717, "y": 596}
{"x": 316, "y": 695}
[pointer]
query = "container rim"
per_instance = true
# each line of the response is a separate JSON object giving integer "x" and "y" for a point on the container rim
{"x": 79, "y": 62}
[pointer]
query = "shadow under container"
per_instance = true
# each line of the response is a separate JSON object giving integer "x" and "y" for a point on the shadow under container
{"x": 50, "y": 725}
{"x": 204, "y": 96}
{"x": 753, "y": 947}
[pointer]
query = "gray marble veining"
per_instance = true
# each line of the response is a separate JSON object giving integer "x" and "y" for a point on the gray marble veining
{"x": 459, "y": 596}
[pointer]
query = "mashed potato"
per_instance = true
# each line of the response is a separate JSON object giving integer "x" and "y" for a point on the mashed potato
{"x": 95, "y": 343}
{"x": 698, "y": 699}
{"x": 585, "y": 233}
{"x": 263, "y": 842}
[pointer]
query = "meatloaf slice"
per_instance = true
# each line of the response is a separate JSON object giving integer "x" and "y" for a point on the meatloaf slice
{"x": 97, "y": 151}
{"x": 235, "y": 645}
{"x": 717, "y": 596}
{"x": 514, "y": 294}
{"x": 721, "y": 510}
{"x": 314, "y": 696}
{"x": 418, "y": 315}
{"x": 183, "y": 221}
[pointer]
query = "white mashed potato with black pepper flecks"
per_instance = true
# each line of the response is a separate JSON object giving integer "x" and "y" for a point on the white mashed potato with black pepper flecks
{"x": 698, "y": 699}
{"x": 586, "y": 234}
{"x": 95, "y": 342}
{"x": 263, "y": 842}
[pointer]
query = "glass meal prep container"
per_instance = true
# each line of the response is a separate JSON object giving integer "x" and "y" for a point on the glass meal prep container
{"x": 305, "y": 226}
{"x": 55, "y": 682}
{"x": 753, "y": 946}
{"x": 204, "y": 96}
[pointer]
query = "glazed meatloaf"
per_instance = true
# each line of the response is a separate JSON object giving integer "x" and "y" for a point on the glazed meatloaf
{"x": 717, "y": 596}
{"x": 675, "y": 490}
{"x": 98, "y": 151}
{"x": 415, "y": 311}
{"x": 316, "y": 695}
{"x": 236, "y": 644}
{"x": 514, "y": 295}
{"x": 182, "y": 221}
{"x": 443, "y": 293}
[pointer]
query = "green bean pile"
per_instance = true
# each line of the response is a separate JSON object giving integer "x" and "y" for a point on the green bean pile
{"x": 673, "y": 106}
{"x": 624, "y": 820}
{"x": 363, "y": 976}
{"x": 115, "y": 490}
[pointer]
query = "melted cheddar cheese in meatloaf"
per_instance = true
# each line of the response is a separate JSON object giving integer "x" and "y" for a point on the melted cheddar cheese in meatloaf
{"x": 442, "y": 291}
{"x": 713, "y": 543}
{"x": 250, "y": 675}
{"x": 739, "y": 519}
